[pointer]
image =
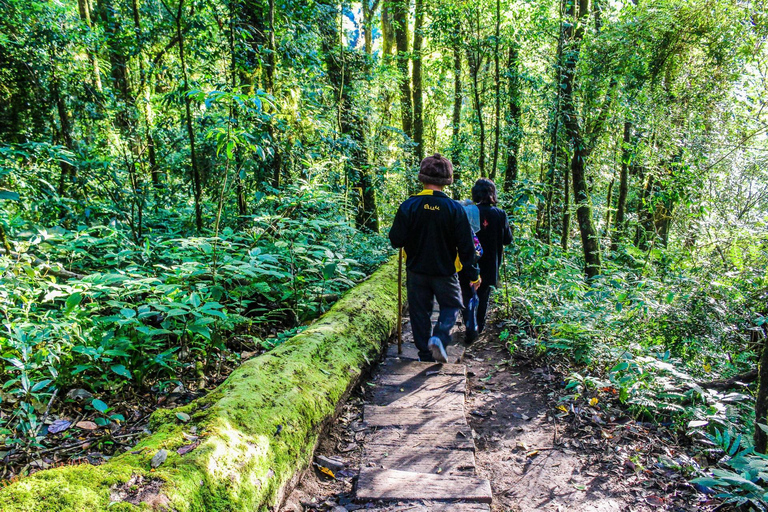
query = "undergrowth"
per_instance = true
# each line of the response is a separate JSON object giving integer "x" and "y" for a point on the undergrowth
{"x": 146, "y": 314}
{"x": 651, "y": 332}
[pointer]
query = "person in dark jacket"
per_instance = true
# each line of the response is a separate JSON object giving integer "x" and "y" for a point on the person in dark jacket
{"x": 434, "y": 232}
{"x": 494, "y": 234}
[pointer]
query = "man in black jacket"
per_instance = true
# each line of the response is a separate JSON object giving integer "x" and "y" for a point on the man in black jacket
{"x": 434, "y": 231}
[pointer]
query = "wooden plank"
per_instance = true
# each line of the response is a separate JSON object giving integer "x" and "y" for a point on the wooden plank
{"x": 404, "y": 367}
{"x": 420, "y": 458}
{"x": 420, "y": 397}
{"x": 392, "y": 484}
{"x": 459, "y": 438}
{"x": 377, "y": 416}
{"x": 424, "y": 382}
{"x": 434, "y": 506}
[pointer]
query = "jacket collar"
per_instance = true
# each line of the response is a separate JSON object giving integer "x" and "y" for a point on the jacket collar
{"x": 429, "y": 192}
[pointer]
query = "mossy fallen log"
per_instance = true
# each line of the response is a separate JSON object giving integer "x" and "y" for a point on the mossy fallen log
{"x": 256, "y": 431}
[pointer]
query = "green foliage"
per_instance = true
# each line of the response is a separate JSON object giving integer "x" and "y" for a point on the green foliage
{"x": 154, "y": 309}
{"x": 744, "y": 482}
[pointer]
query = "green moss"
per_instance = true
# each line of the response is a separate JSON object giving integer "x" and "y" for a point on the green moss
{"x": 257, "y": 429}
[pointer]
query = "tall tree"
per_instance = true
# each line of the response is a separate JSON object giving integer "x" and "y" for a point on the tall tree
{"x": 578, "y": 11}
{"x": 514, "y": 117}
{"x": 497, "y": 92}
{"x": 621, "y": 206}
{"x": 418, "y": 96}
{"x": 400, "y": 23}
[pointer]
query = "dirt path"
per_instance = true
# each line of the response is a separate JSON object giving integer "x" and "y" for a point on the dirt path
{"x": 536, "y": 456}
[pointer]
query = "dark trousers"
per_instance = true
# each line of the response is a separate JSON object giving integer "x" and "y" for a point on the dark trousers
{"x": 421, "y": 291}
{"x": 483, "y": 295}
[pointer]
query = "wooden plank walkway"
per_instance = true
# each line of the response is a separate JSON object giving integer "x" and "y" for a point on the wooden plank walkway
{"x": 419, "y": 447}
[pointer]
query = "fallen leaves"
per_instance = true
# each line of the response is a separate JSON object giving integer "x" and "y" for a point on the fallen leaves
{"x": 59, "y": 426}
{"x": 86, "y": 425}
{"x": 159, "y": 458}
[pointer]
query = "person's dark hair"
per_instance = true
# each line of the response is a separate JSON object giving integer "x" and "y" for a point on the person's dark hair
{"x": 484, "y": 192}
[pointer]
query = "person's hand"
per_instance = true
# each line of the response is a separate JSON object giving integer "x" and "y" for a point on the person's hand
{"x": 476, "y": 284}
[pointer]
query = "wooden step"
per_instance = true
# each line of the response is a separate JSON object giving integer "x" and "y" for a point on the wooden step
{"x": 391, "y": 484}
{"x": 435, "y": 506}
{"x": 420, "y": 419}
{"x": 422, "y": 382}
{"x": 419, "y": 458}
{"x": 435, "y": 396}
{"x": 459, "y": 438}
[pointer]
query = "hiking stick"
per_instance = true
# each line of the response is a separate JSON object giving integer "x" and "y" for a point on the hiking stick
{"x": 400, "y": 303}
{"x": 506, "y": 284}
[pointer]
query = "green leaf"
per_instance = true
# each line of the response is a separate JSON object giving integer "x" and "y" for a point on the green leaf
{"x": 128, "y": 313}
{"x": 99, "y": 406}
{"x": 122, "y": 371}
{"x": 73, "y": 301}
{"x": 8, "y": 195}
{"x": 329, "y": 270}
{"x": 184, "y": 417}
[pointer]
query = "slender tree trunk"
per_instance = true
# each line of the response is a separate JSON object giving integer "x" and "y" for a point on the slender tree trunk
{"x": 196, "y": 178}
{"x": 544, "y": 213}
{"x": 644, "y": 232}
{"x": 68, "y": 171}
{"x": 277, "y": 161}
{"x": 456, "y": 117}
{"x": 418, "y": 105}
{"x": 497, "y": 85}
{"x": 387, "y": 30}
{"x": 343, "y": 68}
{"x": 475, "y": 59}
{"x": 85, "y": 15}
{"x": 367, "y": 35}
{"x": 620, "y": 227}
{"x": 589, "y": 239}
{"x": 400, "y": 22}
{"x": 566, "y": 237}
{"x": 118, "y": 65}
{"x": 514, "y": 127}
{"x": 242, "y": 207}
{"x": 609, "y": 208}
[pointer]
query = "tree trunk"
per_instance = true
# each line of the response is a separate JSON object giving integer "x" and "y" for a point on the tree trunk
{"x": 566, "y": 236}
{"x": 456, "y": 117}
{"x": 196, "y": 178}
{"x": 609, "y": 208}
{"x": 400, "y": 22}
{"x": 497, "y": 91}
{"x": 644, "y": 232}
{"x": 514, "y": 128}
{"x": 118, "y": 64}
{"x": 418, "y": 99}
{"x": 343, "y": 68}
{"x": 574, "y": 32}
{"x": 68, "y": 171}
{"x": 621, "y": 207}
{"x": 387, "y": 30}
{"x": 277, "y": 160}
{"x": 544, "y": 210}
{"x": 85, "y": 14}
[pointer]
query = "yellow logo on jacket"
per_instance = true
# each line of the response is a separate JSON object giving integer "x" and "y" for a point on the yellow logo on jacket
{"x": 429, "y": 207}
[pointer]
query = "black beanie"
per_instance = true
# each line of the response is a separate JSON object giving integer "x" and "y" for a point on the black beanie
{"x": 436, "y": 170}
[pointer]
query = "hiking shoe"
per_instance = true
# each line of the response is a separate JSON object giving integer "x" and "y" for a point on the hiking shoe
{"x": 438, "y": 351}
{"x": 470, "y": 337}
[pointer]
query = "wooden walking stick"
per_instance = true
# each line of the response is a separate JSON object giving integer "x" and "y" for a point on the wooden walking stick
{"x": 400, "y": 303}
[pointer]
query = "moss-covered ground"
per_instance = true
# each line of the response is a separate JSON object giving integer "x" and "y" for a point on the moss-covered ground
{"x": 257, "y": 429}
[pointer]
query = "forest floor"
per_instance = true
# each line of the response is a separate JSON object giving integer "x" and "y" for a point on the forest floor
{"x": 539, "y": 450}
